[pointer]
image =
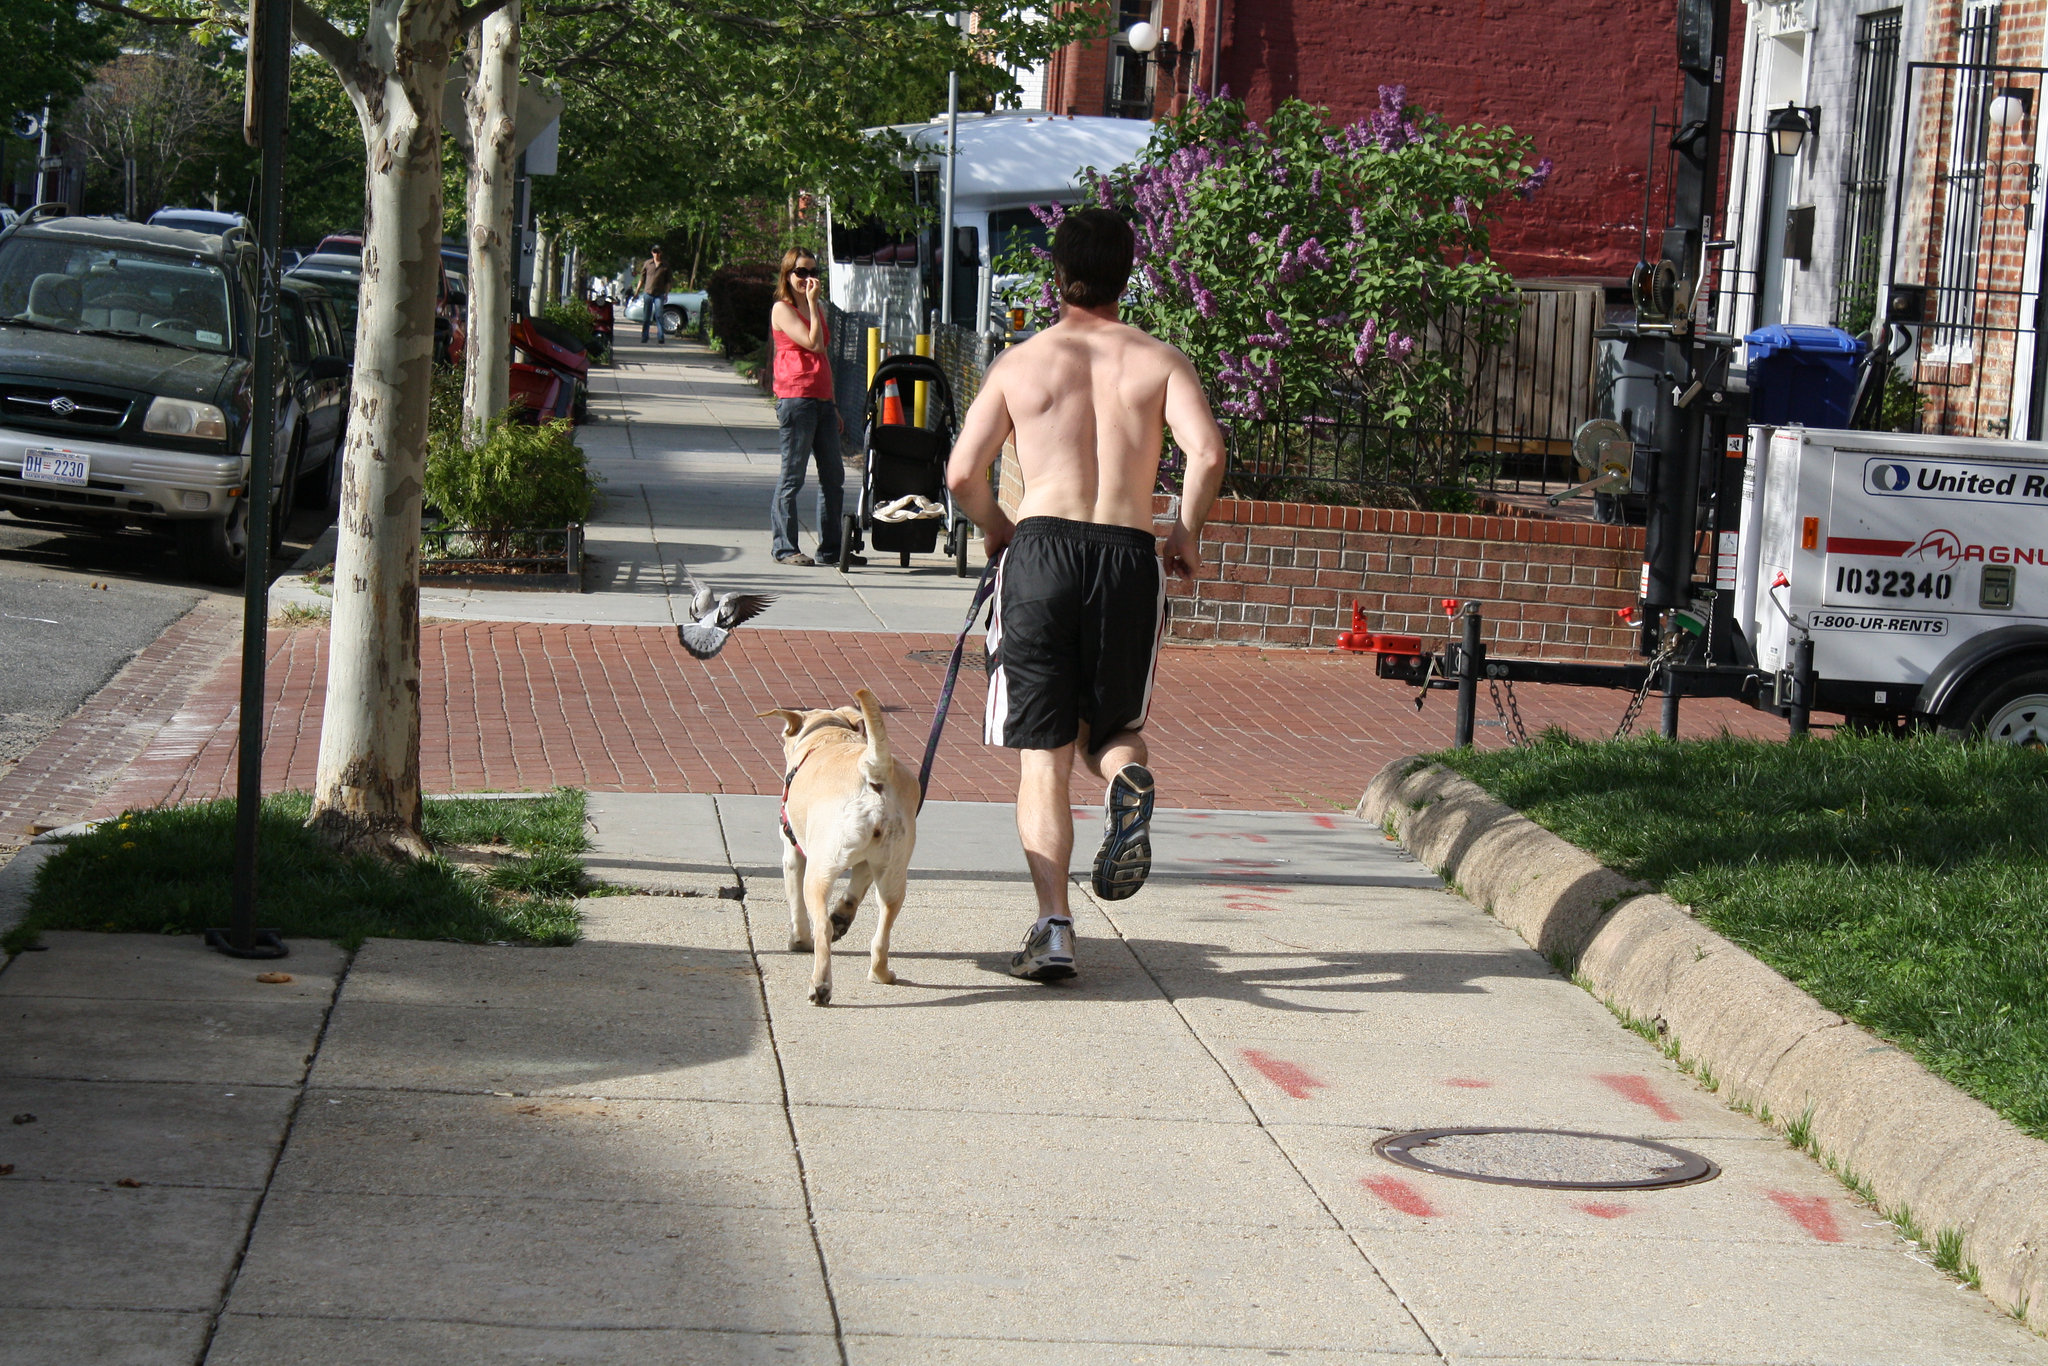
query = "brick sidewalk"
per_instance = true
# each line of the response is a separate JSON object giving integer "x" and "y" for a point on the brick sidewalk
{"x": 139, "y": 710}
{"x": 517, "y": 706}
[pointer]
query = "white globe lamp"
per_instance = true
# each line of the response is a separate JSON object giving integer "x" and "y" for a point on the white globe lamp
{"x": 1142, "y": 36}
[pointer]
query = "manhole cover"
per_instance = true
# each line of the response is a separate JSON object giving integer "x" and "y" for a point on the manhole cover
{"x": 1554, "y": 1158}
{"x": 976, "y": 658}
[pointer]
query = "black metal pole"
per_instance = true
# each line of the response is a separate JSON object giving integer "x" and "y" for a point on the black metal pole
{"x": 1471, "y": 656}
{"x": 271, "y": 31}
{"x": 1799, "y": 715}
{"x": 1672, "y": 690}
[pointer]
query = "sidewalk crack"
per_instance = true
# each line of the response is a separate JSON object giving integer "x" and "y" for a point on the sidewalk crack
{"x": 1379, "y": 1273}
{"x": 291, "y": 1123}
{"x": 803, "y": 1170}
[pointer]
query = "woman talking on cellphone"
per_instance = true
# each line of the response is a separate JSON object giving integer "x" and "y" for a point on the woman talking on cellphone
{"x": 805, "y": 412}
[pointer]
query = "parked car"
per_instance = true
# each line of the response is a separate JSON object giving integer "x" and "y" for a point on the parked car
{"x": 342, "y": 278}
{"x": 200, "y": 220}
{"x": 311, "y": 330}
{"x": 679, "y": 312}
{"x": 127, "y": 381}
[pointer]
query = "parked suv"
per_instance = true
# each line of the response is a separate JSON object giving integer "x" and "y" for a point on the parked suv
{"x": 127, "y": 381}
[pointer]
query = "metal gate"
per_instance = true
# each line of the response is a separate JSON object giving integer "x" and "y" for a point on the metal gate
{"x": 1965, "y": 272}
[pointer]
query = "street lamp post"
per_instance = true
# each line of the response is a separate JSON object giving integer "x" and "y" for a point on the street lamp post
{"x": 1785, "y": 133}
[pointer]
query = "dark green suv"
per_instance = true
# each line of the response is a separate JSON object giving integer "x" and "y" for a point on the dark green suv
{"x": 127, "y": 382}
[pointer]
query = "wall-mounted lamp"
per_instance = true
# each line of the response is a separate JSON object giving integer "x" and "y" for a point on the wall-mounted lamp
{"x": 1146, "y": 39}
{"x": 1789, "y": 126}
{"x": 2010, "y": 109}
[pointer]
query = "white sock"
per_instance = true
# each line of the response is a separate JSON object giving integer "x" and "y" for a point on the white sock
{"x": 1045, "y": 920}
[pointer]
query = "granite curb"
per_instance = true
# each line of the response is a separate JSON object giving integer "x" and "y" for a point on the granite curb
{"x": 1921, "y": 1144}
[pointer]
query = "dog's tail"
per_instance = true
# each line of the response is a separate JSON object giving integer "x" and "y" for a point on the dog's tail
{"x": 876, "y": 764}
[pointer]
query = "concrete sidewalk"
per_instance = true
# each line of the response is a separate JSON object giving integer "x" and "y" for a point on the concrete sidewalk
{"x": 648, "y": 1148}
{"x": 689, "y": 457}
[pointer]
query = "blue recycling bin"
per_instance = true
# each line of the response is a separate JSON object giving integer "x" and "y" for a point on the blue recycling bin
{"x": 1802, "y": 374}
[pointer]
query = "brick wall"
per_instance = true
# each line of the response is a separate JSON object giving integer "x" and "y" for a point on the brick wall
{"x": 1287, "y": 574}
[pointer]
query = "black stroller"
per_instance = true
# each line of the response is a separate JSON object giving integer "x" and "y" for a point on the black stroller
{"x": 904, "y": 504}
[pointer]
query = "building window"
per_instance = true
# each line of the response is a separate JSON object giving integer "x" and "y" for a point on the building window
{"x": 1128, "y": 92}
{"x": 1866, "y": 169}
{"x": 1961, "y": 189}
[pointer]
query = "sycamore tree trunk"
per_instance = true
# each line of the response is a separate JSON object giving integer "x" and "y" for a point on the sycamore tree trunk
{"x": 367, "y": 791}
{"x": 492, "y": 104}
{"x": 543, "y": 257}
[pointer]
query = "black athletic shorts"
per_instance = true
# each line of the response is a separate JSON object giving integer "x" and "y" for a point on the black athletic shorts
{"x": 1074, "y": 633}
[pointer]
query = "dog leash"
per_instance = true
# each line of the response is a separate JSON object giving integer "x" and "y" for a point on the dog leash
{"x": 983, "y": 591}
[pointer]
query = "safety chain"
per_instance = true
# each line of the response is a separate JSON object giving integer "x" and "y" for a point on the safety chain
{"x": 1666, "y": 648}
{"x": 1511, "y": 714}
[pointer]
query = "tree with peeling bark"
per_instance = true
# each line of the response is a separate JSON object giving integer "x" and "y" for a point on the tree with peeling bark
{"x": 491, "y": 105}
{"x": 366, "y": 794}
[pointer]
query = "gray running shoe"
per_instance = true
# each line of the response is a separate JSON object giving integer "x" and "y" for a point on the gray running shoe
{"x": 1048, "y": 952}
{"x": 1125, "y": 859}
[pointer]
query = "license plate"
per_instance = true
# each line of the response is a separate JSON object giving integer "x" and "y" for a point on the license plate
{"x": 55, "y": 467}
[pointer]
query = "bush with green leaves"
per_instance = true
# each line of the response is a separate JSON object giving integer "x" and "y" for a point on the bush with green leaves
{"x": 573, "y": 318}
{"x": 1312, "y": 270}
{"x": 513, "y": 476}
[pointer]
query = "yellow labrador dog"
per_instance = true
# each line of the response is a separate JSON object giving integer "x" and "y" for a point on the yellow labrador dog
{"x": 848, "y": 808}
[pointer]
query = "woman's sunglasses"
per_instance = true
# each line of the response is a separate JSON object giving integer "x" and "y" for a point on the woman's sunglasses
{"x": 805, "y": 273}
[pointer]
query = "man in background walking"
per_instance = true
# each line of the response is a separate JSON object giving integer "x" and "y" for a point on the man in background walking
{"x": 1080, "y": 601}
{"x": 655, "y": 274}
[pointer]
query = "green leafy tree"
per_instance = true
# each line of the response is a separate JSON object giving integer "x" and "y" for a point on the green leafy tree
{"x": 53, "y": 48}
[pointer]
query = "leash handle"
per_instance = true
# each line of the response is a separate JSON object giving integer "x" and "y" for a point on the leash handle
{"x": 983, "y": 591}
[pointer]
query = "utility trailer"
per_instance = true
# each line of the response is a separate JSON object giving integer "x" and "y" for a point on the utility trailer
{"x": 1894, "y": 580}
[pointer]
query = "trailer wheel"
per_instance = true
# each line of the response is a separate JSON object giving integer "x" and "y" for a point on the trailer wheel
{"x": 2004, "y": 708}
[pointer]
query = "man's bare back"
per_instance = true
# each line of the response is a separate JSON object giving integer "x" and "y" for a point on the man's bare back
{"x": 1088, "y": 401}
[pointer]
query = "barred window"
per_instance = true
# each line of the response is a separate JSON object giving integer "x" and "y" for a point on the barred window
{"x": 1866, "y": 169}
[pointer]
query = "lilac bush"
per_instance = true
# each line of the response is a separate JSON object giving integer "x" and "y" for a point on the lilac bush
{"x": 1313, "y": 270}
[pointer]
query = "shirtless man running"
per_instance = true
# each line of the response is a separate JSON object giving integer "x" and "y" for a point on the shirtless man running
{"x": 1080, "y": 602}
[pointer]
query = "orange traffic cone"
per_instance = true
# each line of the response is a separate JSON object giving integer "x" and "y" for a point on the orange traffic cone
{"x": 892, "y": 406}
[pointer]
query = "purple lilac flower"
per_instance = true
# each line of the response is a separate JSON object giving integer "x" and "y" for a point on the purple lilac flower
{"x": 1102, "y": 195}
{"x": 1157, "y": 285}
{"x": 1205, "y": 302}
{"x": 1367, "y": 334}
{"x": 1398, "y": 346}
{"x": 1286, "y": 233}
{"x": 1535, "y": 180}
{"x": 1315, "y": 183}
{"x": 1357, "y": 221}
{"x": 1289, "y": 269}
{"x": 1048, "y": 214}
{"x": 1335, "y": 320}
{"x": 1253, "y": 238}
{"x": 1312, "y": 255}
{"x": 1330, "y": 143}
{"x": 1461, "y": 207}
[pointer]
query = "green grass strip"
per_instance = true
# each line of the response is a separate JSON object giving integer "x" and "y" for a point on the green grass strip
{"x": 1901, "y": 882}
{"x": 166, "y": 871}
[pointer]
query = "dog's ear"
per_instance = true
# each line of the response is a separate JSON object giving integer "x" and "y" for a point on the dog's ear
{"x": 792, "y": 721}
{"x": 853, "y": 717}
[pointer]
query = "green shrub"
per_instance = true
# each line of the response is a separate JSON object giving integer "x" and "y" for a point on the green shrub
{"x": 572, "y": 318}
{"x": 516, "y": 476}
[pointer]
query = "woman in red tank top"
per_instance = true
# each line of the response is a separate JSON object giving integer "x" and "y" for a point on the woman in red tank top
{"x": 805, "y": 412}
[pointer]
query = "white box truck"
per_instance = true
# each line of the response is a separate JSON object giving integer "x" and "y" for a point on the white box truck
{"x": 1917, "y": 566}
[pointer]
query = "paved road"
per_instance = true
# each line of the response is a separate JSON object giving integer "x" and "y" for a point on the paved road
{"x": 61, "y": 639}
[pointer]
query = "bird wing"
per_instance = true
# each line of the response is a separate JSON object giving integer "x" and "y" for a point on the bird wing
{"x": 701, "y": 640}
{"x": 703, "y": 600}
{"x": 735, "y": 608}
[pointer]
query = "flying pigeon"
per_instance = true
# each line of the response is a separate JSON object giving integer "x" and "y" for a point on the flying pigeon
{"x": 717, "y": 617}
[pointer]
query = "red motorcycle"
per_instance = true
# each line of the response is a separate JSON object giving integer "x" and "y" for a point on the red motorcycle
{"x": 550, "y": 371}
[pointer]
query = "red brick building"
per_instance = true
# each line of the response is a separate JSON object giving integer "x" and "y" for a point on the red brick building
{"x": 1580, "y": 76}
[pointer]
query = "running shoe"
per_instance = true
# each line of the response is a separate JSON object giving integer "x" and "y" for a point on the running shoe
{"x": 1125, "y": 858}
{"x": 1048, "y": 952}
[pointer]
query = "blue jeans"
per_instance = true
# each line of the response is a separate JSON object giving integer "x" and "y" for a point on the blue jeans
{"x": 810, "y": 429}
{"x": 654, "y": 304}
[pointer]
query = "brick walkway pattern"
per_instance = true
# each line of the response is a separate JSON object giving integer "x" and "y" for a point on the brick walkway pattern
{"x": 513, "y": 706}
{"x": 141, "y": 708}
